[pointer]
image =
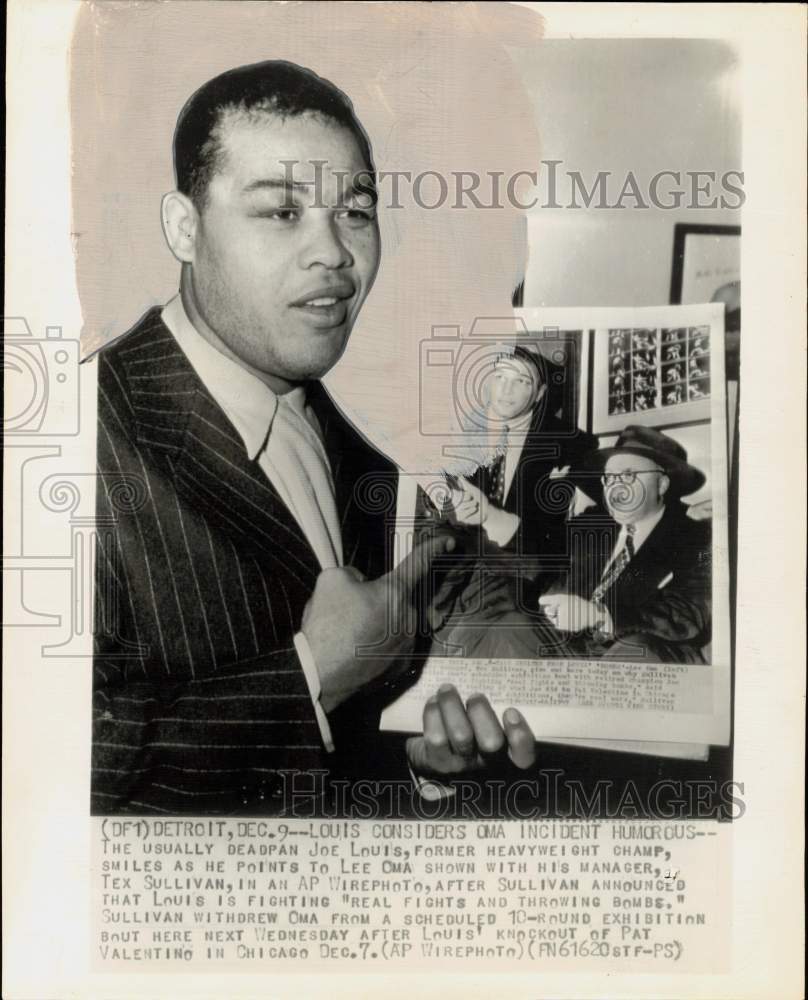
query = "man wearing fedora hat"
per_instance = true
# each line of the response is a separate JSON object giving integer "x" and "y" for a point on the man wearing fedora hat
{"x": 637, "y": 580}
{"x": 638, "y": 584}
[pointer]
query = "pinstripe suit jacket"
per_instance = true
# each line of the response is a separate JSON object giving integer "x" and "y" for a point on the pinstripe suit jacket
{"x": 202, "y": 575}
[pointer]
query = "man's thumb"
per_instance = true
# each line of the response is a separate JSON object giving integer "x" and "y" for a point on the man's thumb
{"x": 352, "y": 571}
{"x": 412, "y": 570}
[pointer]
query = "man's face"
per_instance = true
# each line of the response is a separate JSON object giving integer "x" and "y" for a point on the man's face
{"x": 631, "y": 502}
{"x": 515, "y": 388}
{"x": 280, "y": 273}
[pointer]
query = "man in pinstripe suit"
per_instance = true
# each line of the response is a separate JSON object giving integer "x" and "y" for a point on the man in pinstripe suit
{"x": 239, "y": 568}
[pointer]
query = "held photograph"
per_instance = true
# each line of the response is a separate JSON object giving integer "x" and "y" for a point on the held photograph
{"x": 590, "y": 588}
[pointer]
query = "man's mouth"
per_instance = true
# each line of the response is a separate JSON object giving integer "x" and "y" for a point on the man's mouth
{"x": 322, "y": 302}
{"x": 327, "y": 306}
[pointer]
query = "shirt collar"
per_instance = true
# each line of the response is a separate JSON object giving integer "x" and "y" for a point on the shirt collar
{"x": 643, "y": 528}
{"x": 522, "y": 425}
{"x": 519, "y": 426}
{"x": 248, "y": 403}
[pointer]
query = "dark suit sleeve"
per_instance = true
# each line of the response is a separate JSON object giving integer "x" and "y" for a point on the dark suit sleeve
{"x": 206, "y": 746}
{"x": 166, "y": 741}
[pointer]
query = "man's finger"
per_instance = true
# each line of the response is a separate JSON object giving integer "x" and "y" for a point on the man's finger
{"x": 455, "y": 721}
{"x": 415, "y": 567}
{"x": 521, "y": 742}
{"x": 434, "y": 731}
{"x": 488, "y": 732}
{"x": 552, "y": 612}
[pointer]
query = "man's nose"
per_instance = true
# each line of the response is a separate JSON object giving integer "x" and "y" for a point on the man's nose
{"x": 325, "y": 246}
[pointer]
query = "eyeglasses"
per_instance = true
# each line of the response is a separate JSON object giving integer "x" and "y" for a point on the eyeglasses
{"x": 627, "y": 477}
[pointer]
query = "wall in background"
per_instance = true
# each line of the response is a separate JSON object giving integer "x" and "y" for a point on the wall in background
{"x": 622, "y": 106}
{"x": 618, "y": 105}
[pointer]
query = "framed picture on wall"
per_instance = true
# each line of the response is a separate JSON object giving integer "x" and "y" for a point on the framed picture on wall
{"x": 656, "y": 367}
{"x": 707, "y": 268}
{"x": 706, "y": 264}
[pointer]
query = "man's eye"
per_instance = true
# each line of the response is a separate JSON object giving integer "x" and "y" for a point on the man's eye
{"x": 280, "y": 214}
{"x": 356, "y": 216}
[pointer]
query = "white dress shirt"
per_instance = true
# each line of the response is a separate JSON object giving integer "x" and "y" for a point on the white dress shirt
{"x": 501, "y": 525}
{"x": 283, "y": 433}
{"x": 516, "y": 435}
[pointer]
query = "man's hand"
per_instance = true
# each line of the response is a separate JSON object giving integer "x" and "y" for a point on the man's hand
{"x": 459, "y": 738}
{"x": 347, "y": 613}
{"x": 569, "y": 613}
{"x": 473, "y": 507}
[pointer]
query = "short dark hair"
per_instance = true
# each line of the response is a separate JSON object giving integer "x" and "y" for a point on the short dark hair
{"x": 275, "y": 87}
{"x": 532, "y": 359}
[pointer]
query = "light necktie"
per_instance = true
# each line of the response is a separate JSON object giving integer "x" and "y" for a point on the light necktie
{"x": 618, "y": 564}
{"x": 295, "y": 448}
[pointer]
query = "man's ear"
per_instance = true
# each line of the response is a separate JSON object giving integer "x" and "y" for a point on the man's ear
{"x": 180, "y": 221}
{"x": 664, "y": 484}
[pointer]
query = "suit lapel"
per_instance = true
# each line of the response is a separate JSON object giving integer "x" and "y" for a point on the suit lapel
{"x": 343, "y": 469}
{"x": 330, "y": 424}
{"x": 591, "y": 539}
{"x": 214, "y": 466}
{"x": 538, "y": 457}
{"x": 176, "y": 414}
{"x": 650, "y": 565}
{"x": 365, "y": 485}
